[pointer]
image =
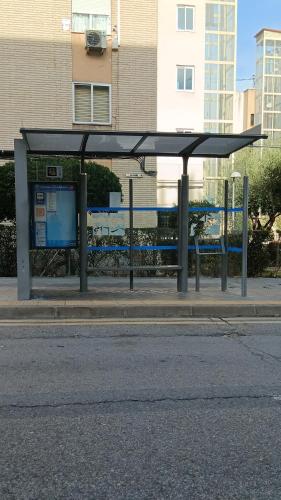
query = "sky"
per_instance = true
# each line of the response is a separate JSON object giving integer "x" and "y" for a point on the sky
{"x": 253, "y": 15}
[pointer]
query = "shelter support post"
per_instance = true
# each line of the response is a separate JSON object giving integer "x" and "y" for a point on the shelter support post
{"x": 179, "y": 234}
{"x": 225, "y": 239}
{"x": 83, "y": 233}
{"x": 22, "y": 221}
{"x": 131, "y": 232}
{"x": 245, "y": 237}
{"x": 183, "y": 278}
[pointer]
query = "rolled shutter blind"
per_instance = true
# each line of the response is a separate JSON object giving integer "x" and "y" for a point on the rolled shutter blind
{"x": 101, "y": 104}
{"x": 82, "y": 103}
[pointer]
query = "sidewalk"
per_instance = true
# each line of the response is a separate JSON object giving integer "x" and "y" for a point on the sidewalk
{"x": 59, "y": 298}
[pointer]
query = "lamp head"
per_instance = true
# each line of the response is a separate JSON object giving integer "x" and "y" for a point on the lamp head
{"x": 235, "y": 175}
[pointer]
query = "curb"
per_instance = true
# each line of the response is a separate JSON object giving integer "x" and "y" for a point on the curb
{"x": 77, "y": 312}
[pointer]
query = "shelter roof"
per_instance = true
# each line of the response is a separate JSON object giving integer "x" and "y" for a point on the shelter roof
{"x": 108, "y": 144}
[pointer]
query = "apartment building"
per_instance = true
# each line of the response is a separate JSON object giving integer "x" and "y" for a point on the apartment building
{"x": 268, "y": 83}
{"x": 156, "y": 65}
{"x": 88, "y": 64}
{"x": 196, "y": 84}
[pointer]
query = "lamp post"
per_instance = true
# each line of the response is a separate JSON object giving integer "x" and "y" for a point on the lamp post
{"x": 234, "y": 176}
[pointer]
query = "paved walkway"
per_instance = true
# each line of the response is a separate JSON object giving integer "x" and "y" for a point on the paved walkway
{"x": 59, "y": 298}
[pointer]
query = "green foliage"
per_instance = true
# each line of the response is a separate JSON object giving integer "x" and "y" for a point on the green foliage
{"x": 198, "y": 224}
{"x": 8, "y": 257}
{"x": 7, "y": 192}
{"x": 264, "y": 171}
{"x": 101, "y": 181}
{"x": 258, "y": 253}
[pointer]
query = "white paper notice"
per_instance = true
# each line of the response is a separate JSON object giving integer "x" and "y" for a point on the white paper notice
{"x": 40, "y": 234}
{"x": 40, "y": 213}
{"x": 65, "y": 24}
{"x": 112, "y": 224}
{"x": 52, "y": 202}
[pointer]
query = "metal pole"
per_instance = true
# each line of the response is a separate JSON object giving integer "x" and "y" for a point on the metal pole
{"x": 245, "y": 237}
{"x": 131, "y": 232}
{"x": 233, "y": 201}
{"x": 68, "y": 262}
{"x": 83, "y": 233}
{"x": 184, "y": 230}
{"x": 197, "y": 272}
{"x": 179, "y": 235}
{"x": 225, "y": 237}
{"x": 22, "y": 221}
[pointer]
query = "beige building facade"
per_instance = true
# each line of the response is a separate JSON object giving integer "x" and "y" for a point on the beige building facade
{"x": 50, "y": 80}
{"x": 249, "y": 108}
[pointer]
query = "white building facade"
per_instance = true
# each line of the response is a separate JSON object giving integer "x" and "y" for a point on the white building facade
{"x": 196, "y": 82}
{"x": 268, "y": 83}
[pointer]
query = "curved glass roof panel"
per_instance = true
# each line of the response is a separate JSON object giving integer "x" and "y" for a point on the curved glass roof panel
{"x": 112, "y": 143}
{"x": 102, "y": 144}
{"x": 166, "y": 144}
{"x": 41, "y": 141}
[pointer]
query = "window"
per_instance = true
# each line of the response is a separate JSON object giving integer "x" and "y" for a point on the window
{"x": 185, "y": 18}
{"x": 185, "y": 78}
{"x": 83, "y": 22}
{"x": 91, "y": 14}
{"x": 218, "y": 128}
{"x": 220, "y": 17}
{"x": 252, "y": 119}
{"x": 272, "y": 66}
{"x": 218, "y": 107}
{"x": 219, "y": 77}
{"x": 219, "y": 47}
{"x": 92, "y": 103}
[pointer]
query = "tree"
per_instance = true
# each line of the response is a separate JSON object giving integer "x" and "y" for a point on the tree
{"x": 101, "y": 181}
{"x": 264, "y": 171}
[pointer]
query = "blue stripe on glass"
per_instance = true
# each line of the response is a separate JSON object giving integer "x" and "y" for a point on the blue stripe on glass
{"x": 162, "y": 209}
{"x": 142, "y": 248}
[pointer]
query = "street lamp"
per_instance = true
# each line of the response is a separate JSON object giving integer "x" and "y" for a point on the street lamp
{"x": 234, "y": 176}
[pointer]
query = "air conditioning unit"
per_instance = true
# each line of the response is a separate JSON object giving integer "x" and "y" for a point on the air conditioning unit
{"x": 95, "y": 41}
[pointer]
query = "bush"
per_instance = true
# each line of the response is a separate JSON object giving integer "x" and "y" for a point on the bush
{"x": 8, "y": 254}
{"x": 258, "y": 252}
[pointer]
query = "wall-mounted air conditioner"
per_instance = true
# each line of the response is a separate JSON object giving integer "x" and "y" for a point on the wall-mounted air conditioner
{"x": 95, "y": 41}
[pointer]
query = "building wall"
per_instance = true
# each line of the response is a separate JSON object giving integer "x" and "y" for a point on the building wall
{"x": 179, "y": 109}
{"x": 249, "y": 108}
{"x": 36, "y": 69}
{"x": 134, "y": 90}
{"x": 221, "y": 100}
{"x": 268, "y": 83}
{"x": 211, "y": 49}
{"x": 89, "y": 67}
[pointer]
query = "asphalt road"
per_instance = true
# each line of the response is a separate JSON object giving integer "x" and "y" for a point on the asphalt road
{"x": 171, "y": 410}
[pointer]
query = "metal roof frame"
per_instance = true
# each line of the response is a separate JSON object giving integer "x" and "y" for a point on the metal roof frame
{"x": 193, "y": 144}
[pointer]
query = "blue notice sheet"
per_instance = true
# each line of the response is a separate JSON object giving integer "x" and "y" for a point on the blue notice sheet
{"x": 54, "y": 215}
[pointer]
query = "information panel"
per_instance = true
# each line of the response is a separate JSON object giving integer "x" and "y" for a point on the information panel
{"x": 54, "y": 215}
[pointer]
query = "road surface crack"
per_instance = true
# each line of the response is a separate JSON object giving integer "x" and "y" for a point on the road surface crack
{"x": 137, "y": 400}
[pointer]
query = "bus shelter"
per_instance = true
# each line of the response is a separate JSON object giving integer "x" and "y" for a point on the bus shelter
{"x": 92, "y": 144}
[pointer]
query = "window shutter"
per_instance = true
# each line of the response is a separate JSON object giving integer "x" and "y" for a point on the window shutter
{"x": 83, "y": 103}
{"x": 91, "y": 6}
{"x": 101, "y": 104}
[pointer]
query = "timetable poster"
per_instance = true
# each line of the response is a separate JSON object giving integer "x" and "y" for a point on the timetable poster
{"x": 54, "y": 215}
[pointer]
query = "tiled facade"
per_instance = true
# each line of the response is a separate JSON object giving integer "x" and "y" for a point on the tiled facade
{"x": 36, "y": 67}
{"x": 42, "y": 57}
